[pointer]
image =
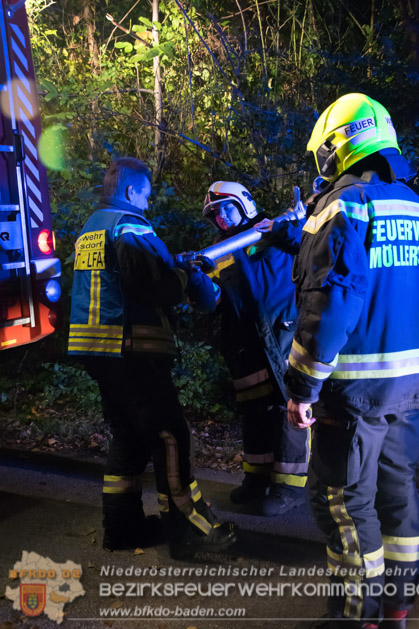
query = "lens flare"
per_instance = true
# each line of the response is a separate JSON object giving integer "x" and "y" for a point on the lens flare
{"x": 52, "y": 147}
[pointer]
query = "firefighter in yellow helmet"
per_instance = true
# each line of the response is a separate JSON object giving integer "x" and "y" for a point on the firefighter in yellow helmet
{"x": 355, "y": 357}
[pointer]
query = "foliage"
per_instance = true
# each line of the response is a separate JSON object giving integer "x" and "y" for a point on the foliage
{"x": 70, "y": 384}
{"x": 38, "y": 385}
{"x": 202, "y": 380}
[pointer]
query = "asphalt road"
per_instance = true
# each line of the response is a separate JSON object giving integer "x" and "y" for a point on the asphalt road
{"x": 272, "y": 576}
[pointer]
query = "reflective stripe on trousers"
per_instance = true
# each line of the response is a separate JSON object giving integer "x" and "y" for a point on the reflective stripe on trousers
{"x": 183, "y": 497}
{"x": 371, "y": 520}
{"x": 121, "y": 484}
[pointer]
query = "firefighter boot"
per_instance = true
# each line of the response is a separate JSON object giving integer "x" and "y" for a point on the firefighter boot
{"x": 252, "y": 488}
{"x": 200, "y": 532}
{"x": 222, "y": 536}
{"x": 281, "y": 498}
{"x": 125, "y": 525}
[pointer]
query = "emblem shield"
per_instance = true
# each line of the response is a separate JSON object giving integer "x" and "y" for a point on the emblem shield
{"x": 33, "y": 598}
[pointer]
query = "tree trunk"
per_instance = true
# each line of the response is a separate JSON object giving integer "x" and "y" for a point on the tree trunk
{"x": 409, "y": 11}
{"x": 158, "y": 96}
{"x": 89, "y": 16}
{"x": 369, "y": 71}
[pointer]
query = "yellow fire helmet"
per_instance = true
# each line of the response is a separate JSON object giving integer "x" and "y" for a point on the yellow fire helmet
{"x": 350, "y": 129}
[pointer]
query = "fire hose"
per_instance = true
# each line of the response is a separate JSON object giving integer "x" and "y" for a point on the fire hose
{"x": 244, "y": 239}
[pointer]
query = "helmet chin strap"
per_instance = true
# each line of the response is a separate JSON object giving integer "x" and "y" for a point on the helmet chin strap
{"x": 235, "y": 228}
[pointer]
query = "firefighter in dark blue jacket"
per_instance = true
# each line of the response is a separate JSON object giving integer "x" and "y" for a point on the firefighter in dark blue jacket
{"x": 355, "y": 355}
{"x": 257, "y": 317}
{"x": 125, "y": 283}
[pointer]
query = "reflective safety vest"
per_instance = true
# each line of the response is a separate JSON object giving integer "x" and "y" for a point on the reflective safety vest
{"x": 357, "y": 276}
{"x": 104, "y": 321}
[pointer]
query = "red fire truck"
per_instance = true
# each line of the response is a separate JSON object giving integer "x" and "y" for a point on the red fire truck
{"x": 29, "y": 271}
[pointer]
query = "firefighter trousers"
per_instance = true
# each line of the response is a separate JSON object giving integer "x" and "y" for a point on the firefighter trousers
{"x": 141, "y": 405}
{"x": 365, "y": 500}
{"x": 273, "y": 449}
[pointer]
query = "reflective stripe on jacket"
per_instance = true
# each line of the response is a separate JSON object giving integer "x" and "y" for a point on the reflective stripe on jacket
{"x": 357, "y": 275}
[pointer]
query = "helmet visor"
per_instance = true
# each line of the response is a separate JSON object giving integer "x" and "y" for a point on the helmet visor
{"x": 210, "y": 199}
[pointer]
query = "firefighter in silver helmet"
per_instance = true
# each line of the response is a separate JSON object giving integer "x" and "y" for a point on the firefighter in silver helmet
{"x": 256, "y": 299}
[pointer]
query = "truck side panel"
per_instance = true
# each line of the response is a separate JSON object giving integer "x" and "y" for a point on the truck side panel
{"x": 27, "y": 262}
{"x": 27, "y": 259}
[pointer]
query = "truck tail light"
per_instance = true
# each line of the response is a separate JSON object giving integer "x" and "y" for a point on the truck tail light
{"x": 53, "y": 318}
{"x": 46, "y": 241}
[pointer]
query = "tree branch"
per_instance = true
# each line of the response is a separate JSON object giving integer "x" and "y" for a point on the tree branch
{"x": 244, "y": 32}
{"x": 217, "y": 63}
{"x": 225, "y": 17}
{"x": 127, "y": 31}
{"x": 113, "y": 30}
{"x": 190, "y": 77}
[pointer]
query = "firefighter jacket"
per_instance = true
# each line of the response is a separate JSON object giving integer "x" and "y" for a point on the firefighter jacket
{"x": 357, "y": 274}
{"x": 257, "y": 315}
{"x": 125, "y": 283}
